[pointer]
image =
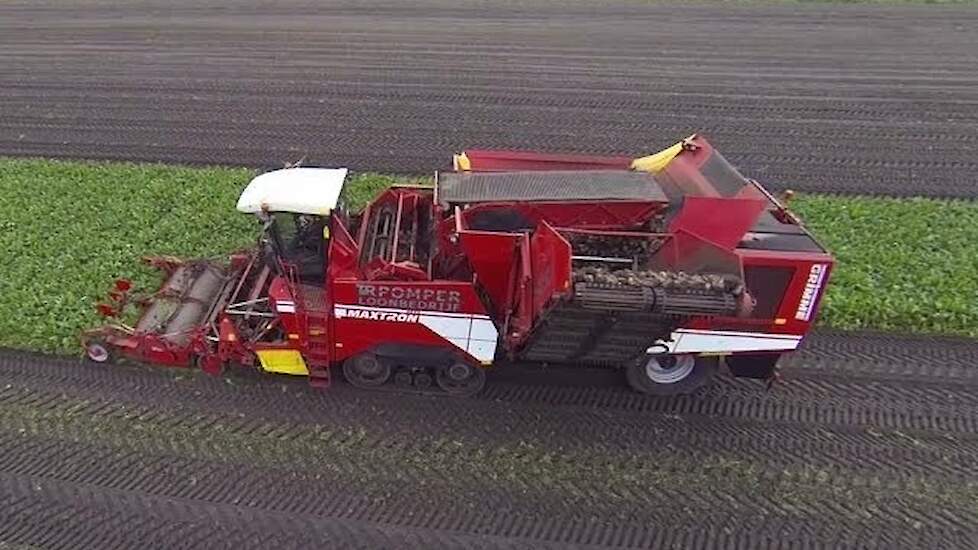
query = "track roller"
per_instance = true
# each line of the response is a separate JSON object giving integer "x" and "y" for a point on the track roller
{"x": 366, "y": 371}
{"x": 422, "y": 380}
{"x": 418, "y": 373}
{"x": 402, "y": 378}
{"x": 461, "y": 379}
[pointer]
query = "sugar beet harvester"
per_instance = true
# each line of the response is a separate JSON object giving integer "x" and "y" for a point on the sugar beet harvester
{"x": 658, "y": 267}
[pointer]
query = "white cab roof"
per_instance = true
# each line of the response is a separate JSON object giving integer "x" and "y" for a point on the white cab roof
{"x": 298, "y": 190}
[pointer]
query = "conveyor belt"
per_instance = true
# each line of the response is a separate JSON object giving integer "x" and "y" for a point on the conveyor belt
{"x": 613, "y": 324}
{"x": 572, "y": 334}
{"x": 570, "y": 185}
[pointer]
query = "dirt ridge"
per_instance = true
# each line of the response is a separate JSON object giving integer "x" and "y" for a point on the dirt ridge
{"x": 805, "y": 97}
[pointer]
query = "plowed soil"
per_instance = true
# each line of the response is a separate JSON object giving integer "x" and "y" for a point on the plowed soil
{"x": 852, "y": 99}
{"x": 863, "y": 445}
{"x": 871, "y": 441}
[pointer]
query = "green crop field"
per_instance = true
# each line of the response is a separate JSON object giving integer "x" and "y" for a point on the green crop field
{"x": 70, "y": 228}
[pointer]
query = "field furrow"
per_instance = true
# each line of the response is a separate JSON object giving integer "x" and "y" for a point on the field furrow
{"x": 842, "y": 99}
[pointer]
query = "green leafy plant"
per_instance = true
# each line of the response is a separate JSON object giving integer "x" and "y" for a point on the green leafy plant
{"x": 68, "y": 229}
{"x": 903, "y": 264}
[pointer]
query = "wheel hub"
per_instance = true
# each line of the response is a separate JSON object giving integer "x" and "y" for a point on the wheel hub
{"x": 97, "y": 352}
{"x": 403, "y": 378}
{"x": 459, "y": 372}
{"x": 669, "y": 369}
{"x": 367, "y": 371}
{"x": 423, "y": 380}
{"x": 460, "y": 379}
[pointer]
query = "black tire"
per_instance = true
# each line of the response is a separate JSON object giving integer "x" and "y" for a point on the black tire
{"x": 665, "y": 375}
{"x": 461, "y": 379}
{"x": 366, "y": 370}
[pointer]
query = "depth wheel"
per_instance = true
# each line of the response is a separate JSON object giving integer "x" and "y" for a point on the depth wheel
{"x": 366, "y": 371}
{"x": 461, "y": 379}
{"x": 670, "y": 374}
{"x": 98, "y": 351}
{"x": 211, "y": 365}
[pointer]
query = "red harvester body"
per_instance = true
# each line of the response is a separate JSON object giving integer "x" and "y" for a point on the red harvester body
{"x": 657, "y": 266}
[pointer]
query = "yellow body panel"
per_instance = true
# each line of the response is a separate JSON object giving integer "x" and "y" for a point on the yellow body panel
{"x": 655, "y": 163}
{"x": 283, "y": 361}
{"x": 462, "y": 162}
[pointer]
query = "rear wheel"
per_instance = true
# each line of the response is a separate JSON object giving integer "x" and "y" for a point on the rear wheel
{"x": 366, "y": 370}
{"x": 461, "y": 379}
{"x": 670, "y": 374}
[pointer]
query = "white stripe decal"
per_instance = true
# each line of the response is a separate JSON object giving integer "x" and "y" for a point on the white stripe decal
{"x": 720, "y": 341}
{"x": 813, "y": 287}
{"x": 475, "y": 334}
{"x": 423, "y": 312}
{"x": 285, "y": 308}
{"x": 738, "y": 333}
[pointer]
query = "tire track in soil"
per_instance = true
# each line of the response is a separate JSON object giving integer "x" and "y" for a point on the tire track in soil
{"x": 817, "y": 391}
{"x": 39, "y": 511}
{"x": 304, "y": 494}
{"x": 822, "y": 447}
{"x": 807, "y": 97}
{"x": 895, "y": 475}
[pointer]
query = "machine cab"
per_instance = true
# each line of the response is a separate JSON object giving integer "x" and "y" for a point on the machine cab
{"x": 295, "y": 206}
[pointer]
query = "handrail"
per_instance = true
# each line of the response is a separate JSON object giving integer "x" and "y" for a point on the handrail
{"x": 292, "y": 280}
{"x": 244, "y": 276}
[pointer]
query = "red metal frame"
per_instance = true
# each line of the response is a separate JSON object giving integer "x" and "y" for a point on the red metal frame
{"x": 493, "y": 257}
{"x": 722, "y": 222}
{"x": 497, "y": 160}
{"x": 550, "y": 262}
